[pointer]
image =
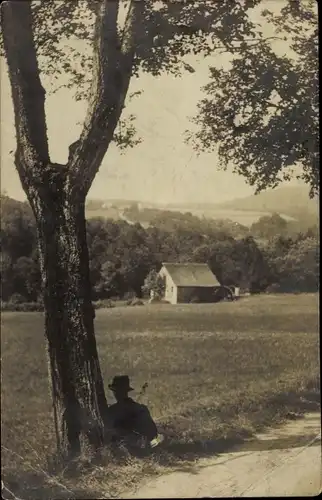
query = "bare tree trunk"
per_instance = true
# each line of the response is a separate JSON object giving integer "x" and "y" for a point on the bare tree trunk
{"x": 78, "y": 393}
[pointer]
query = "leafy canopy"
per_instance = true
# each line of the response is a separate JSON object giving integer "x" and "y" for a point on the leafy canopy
{"x": 169, "y": 31}
{"x": 262, "y": 112}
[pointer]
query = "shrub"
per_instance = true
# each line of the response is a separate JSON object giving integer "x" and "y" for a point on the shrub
{"x": 154, "y": 283}
{"x": 274, "y": 288}
{"x": 101, "y": 304}
{"x": 5, "y": 306}
{"x": 21, "y": 307}
{"x": 135, "y": 302}
{"x": 17, "y": 298}
{"x": 32, "y": 307}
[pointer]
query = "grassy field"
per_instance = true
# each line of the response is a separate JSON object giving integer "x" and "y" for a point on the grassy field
{"x": 245, "y": 217}
{"x": 216, "y": 373}
{"x": 106, "y": 213}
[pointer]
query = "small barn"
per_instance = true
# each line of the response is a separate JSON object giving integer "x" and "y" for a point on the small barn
{"x": 188, "y": 282}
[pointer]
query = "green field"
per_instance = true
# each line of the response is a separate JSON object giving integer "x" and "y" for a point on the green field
{"x": 215, "y": 372}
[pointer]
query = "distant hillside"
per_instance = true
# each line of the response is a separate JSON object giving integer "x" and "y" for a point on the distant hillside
{"x": 292, "y": 201}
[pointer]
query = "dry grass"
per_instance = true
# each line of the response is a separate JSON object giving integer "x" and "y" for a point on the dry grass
{"x": 216, "y": 374}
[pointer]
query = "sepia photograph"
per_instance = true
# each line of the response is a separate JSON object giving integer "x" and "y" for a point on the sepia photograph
{"x": 160, "y": 249}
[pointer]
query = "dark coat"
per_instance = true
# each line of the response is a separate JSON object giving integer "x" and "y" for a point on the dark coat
{"x": 128, "y": 416}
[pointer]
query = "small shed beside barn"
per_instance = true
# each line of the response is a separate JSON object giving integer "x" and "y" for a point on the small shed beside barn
{"x": 188, "y": 282}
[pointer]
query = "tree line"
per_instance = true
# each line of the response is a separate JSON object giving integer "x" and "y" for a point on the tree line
{"x": 264, "y": 257}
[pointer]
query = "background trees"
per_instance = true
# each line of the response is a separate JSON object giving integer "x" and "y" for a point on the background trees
{"x": 124, "y": 258}
{"x": 295, "y": 264}
{"x": 268, "y": 226}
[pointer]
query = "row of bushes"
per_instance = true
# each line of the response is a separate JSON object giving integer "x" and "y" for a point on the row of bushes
{"x": 108, "y": 303}
{"x": 21, "y": 307}
{"x": 38, "y": 306}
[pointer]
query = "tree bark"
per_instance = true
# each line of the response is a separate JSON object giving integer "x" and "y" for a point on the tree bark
{"x": 77, "y": 386}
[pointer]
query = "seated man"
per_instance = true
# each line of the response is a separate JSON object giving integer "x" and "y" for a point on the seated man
{"x": 127, "y": 418}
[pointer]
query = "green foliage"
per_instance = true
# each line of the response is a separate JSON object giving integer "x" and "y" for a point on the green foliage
{"x": 298, "y": 268}
{"x": 23, "y": 306}
{"x": 236, "y": 263}
{"x": 168, "y": 31}
{"x": 154, "y": 283}
{"x": 262, "y": 113}
{"x": 19, "y": 261}
{"x": 269, "y": 226}
{"x": 124, "y": 257}
{"x": 18, "y": 231}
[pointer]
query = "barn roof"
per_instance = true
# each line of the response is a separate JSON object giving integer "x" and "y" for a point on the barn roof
{"x": 191, "y": 274}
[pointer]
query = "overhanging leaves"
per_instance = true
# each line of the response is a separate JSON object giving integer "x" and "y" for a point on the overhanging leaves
{"x": 262, "y": 113}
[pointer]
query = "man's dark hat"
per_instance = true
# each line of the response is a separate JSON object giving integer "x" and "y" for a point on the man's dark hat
{"x": 120, "y": 382}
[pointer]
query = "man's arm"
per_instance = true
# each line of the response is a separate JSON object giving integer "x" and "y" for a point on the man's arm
{"x": 145, "y": 424}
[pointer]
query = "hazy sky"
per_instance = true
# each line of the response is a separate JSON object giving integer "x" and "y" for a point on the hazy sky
{"x": 162, "y": 168}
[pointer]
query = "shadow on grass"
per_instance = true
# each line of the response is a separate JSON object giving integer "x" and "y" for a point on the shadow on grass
{"x": 278, "y": 409}
{"x": 182, "y": 455}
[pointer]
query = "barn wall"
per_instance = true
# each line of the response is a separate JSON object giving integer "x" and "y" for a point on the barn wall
{"x": 170, "y": 293}
{"x": 202, "y": 294}
{"x": 174, "y": 295}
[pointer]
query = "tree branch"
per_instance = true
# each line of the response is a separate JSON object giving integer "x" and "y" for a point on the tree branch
{"x": 252, "y": 42}
{"x": 28, "y": 95}
{"x": 113, "y": 63}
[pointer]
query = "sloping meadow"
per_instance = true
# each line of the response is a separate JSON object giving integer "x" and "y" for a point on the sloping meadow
{"x": 216, "y": 373}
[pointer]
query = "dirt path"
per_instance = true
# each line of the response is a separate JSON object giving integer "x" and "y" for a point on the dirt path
{"x": 283, "y": 461}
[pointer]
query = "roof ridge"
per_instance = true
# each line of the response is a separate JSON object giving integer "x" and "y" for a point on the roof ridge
{"x": 185, "y": 263}
{"x": 191, "y": 273}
